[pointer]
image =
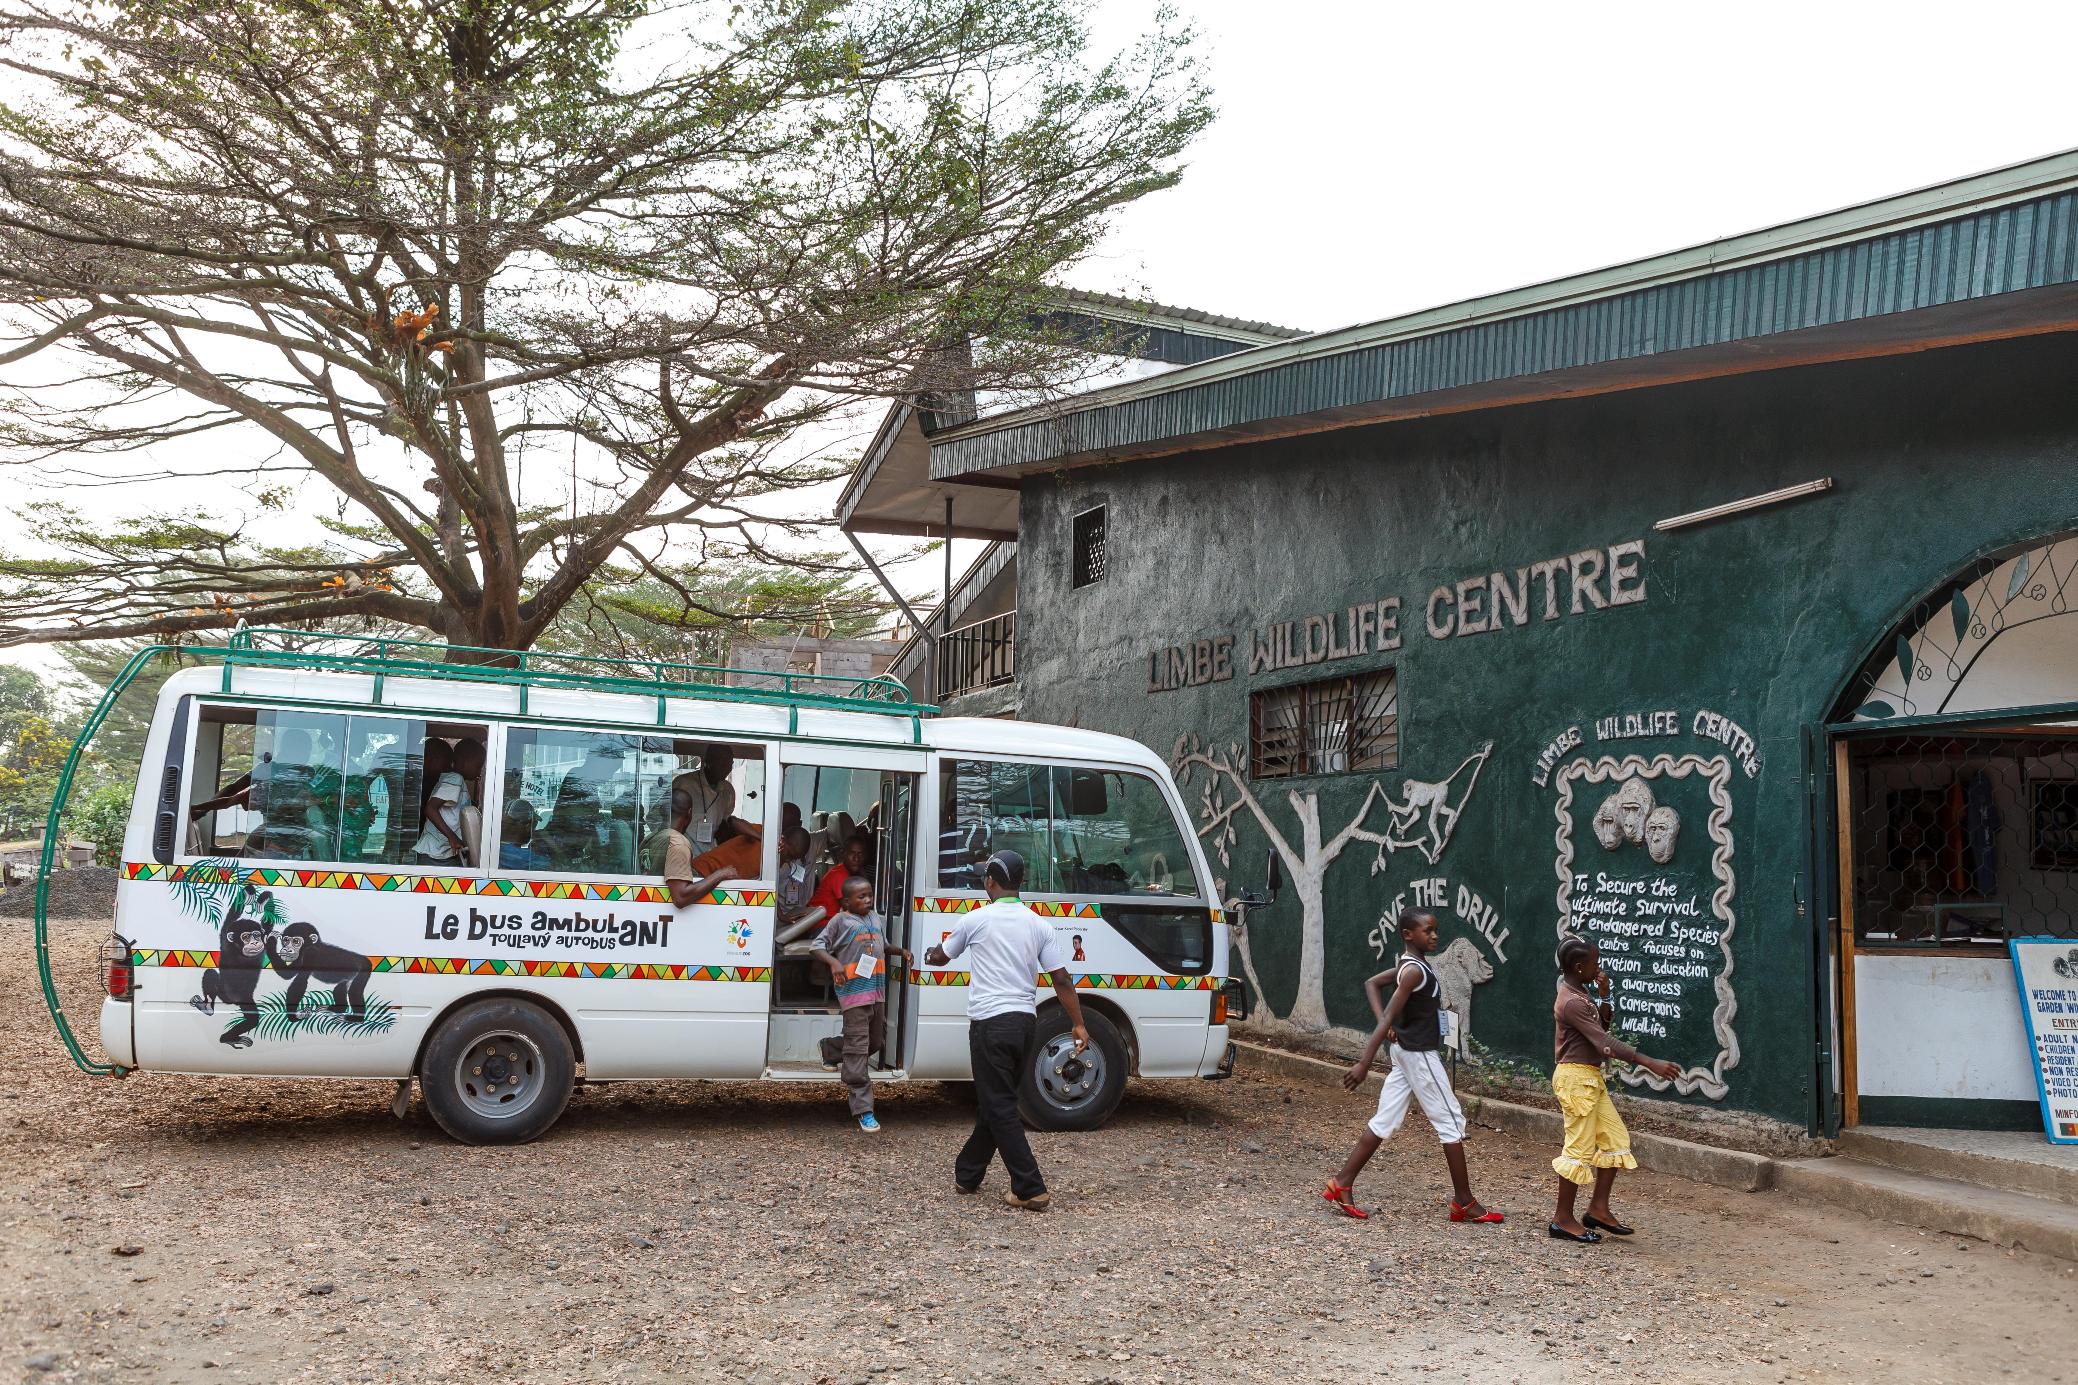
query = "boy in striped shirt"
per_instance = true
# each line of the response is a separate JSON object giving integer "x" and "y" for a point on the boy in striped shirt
{"x": 854, "y": 946}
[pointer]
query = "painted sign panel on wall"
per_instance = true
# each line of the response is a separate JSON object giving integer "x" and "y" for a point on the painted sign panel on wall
{"x": 1645, "y": 871}
{"x": 2047, "y": 970}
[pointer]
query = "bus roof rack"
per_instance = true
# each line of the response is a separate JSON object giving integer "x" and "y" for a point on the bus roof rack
{"x": 382, "y": 656}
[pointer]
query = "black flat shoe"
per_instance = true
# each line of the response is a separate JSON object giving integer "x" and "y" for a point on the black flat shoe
{"x": 1598, "y": 1224}
{"x": 1559, "y": 1233}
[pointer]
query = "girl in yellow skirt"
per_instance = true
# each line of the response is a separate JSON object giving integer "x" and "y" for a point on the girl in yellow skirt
{"x": 1597, "y": 1145}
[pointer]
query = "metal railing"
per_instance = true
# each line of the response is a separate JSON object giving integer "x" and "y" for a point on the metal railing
{"x": 977, "y": 656}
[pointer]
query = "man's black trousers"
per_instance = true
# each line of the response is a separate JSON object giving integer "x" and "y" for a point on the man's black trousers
{"x": 999, "y": 1048}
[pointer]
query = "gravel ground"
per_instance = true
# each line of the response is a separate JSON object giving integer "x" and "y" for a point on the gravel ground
{"x": 215, "y": 1230}
{"x": 79, "y": 891}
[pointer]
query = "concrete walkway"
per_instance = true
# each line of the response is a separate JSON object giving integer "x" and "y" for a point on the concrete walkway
{"x": 2004, "y": 1187}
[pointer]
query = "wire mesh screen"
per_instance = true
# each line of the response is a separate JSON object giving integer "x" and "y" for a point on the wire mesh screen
{"x": 1332, "y": 726}
{"x": 1964, "y": 840}
{"x": 1089, "y": 547}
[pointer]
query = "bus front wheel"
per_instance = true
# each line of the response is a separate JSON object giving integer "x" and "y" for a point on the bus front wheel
{"x": 1066, "y": 1090}
{"x": 497, "y": 1072}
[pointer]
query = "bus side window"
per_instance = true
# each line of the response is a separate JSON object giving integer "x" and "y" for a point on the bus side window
{"x": 986, "y": 806}
{"x": 1115, "y": 835}
{"x": 291, "y": 785}
{"x": 582, "y": 789}
{"x": 267, "y": 784}
{"x": 219, "y": 815}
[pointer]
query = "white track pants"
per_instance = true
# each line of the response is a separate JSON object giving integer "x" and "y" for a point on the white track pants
{"x": 1419, "y": 1076}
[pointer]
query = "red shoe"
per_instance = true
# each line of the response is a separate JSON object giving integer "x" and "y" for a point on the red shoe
{"x": 1343, "y": 1200}
{"x": 1460, "y": 1212}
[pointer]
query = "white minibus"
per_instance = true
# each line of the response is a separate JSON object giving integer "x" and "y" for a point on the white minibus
{"x": 289, "y": 906}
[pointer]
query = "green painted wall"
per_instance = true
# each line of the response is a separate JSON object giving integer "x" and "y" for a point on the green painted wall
{"x": 1758, "y": 618}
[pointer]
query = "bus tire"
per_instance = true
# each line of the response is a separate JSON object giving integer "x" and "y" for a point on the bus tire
{"x": 1062, "y": 1091}
{"x": 497, "y": 1072}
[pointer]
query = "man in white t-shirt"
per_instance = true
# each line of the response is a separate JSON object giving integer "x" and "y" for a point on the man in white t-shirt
{"x": 1006, "y": 946}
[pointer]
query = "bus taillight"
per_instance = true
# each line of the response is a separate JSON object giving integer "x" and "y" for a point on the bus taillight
{"x": 116, "y": 975}
{"x": 1219, "y": 1006}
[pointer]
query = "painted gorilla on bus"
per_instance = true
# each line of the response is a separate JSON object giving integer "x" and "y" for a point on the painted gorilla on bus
{"x": 299, "y": 957}
{"x": 242, "y": 947}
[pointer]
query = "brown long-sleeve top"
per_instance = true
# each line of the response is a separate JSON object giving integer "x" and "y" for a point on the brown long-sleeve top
{"x": 1578, "y": 1036}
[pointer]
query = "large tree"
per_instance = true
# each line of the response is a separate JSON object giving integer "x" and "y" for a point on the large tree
{"x": 540, "y": 290}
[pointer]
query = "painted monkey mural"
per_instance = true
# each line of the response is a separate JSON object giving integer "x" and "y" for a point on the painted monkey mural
{"x": 241, "y": 955}
{"x": 1421, "y": 819}
{"x": 255, "y": 936}
{"x": 1631, "y": 815}
{"x": 299, "y": 956}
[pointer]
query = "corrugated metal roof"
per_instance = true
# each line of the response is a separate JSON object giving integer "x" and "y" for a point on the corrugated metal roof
{"x": 1133, "y": 310}
{"x": 2004, "y": 232}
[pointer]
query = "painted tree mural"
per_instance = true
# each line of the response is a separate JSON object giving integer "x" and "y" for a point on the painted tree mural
{"x": 1421, "y": 819}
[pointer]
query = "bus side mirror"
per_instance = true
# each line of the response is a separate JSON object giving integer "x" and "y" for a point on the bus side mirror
{"x": 1273, "y": 882}
{"x": 1087, "y": 796}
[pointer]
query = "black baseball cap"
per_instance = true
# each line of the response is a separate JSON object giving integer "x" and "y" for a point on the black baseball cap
{"x": 1007, "y": 869}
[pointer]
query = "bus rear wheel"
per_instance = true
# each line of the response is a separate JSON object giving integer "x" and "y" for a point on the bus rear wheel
{"x": 497, "y": 1072}
{"x": 1065, "y": 1090}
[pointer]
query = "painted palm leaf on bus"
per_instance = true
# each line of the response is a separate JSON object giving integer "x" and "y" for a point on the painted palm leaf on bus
{"x": 201, "y": 888}
{"x": 378, "y": 1017}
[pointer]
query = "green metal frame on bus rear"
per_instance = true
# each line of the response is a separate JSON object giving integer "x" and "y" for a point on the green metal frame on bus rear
{"x": 879, "y": 696}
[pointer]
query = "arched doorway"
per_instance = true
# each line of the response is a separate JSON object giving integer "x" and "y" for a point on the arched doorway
{"x": 1955, "y": 816}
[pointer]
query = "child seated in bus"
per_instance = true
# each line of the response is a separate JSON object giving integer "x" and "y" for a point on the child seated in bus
{"x": 798, "y": 914}
{"x": 855, "y": 948}
{"x": 851, "y": 864}
{"x": 514, "y": 851}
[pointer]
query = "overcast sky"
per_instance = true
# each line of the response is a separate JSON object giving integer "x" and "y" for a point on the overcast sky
{"x": 1372, "y": 159}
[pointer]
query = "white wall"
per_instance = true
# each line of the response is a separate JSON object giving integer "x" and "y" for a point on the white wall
{"x": 1940, "y": 1027}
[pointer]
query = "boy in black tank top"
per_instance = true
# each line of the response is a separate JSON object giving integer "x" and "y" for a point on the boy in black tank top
{"x": 1411, "y": 1022}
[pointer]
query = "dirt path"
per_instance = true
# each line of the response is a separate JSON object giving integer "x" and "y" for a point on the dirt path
{"x": 715, "y": 1232}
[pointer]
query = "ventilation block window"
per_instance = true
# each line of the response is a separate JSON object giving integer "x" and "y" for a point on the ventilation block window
{"x": 1333, "y": 726}
{"x": 1089, "y": 547}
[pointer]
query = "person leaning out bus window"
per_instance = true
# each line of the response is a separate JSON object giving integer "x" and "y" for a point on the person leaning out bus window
{"x": 441, "y": 843}
{"x": 681, "y": 877}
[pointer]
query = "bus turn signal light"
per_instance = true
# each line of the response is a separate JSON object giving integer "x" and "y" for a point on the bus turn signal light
{"x": 1219, "y": 1007}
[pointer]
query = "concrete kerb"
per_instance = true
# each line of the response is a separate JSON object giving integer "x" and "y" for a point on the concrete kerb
{"x": 1725, "y": 1168}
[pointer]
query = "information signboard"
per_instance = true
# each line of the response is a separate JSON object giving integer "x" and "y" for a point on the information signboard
{"x": 2047, "y": 970}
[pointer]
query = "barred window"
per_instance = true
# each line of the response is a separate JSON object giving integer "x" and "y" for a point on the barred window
{"x": 1333, "y": 726}
{"x": 1089, "y": 547}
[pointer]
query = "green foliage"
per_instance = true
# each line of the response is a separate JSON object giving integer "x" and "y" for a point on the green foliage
{"x": 489, "y": 298}
{"x": 34, "y": 741}
{"x": 1498, "y": 1070}
{"x": 695, "y": 617}
{"x": 101, "y": 816}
